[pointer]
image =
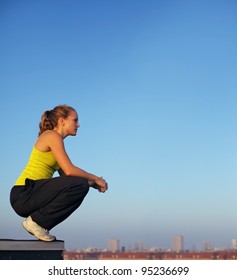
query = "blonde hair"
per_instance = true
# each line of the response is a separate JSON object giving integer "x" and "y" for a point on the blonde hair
{"x": 49, "y": 119}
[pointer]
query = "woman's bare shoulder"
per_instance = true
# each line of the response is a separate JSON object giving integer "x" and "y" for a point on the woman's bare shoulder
{"x": 47, "y": 139}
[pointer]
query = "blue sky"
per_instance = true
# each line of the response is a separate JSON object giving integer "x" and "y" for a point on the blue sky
{"x": 154, "y": 84}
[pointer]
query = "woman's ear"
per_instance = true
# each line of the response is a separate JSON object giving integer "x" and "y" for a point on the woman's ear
{"x": 61, "y": 121}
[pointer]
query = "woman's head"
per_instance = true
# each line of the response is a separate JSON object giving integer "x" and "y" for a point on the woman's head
{"x": 50, "y": 118}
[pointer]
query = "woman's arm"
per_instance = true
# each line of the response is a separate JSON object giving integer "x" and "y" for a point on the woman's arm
{"x": 92, "y": 184}
{"x": 56, "y": 145}
{"x": 60, "y": 172}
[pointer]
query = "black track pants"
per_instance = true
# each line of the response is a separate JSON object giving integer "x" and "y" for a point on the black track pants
{"x": 49, "y": 201}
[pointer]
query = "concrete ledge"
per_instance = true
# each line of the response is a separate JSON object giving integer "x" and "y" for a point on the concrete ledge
{"x": 31, "y": 249}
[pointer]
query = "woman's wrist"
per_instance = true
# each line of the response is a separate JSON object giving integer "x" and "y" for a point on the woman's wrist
{"x": 96, "y": 178}
{"x": 92, "y": 177}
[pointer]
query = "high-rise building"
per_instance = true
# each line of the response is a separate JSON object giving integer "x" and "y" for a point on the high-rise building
{"x": 178, "y": 243}
{"x": 234, "y": 244}
{"x": 113, "y": 245}
{"x": 207, "y": 246}
{"x": 138, "y": 246}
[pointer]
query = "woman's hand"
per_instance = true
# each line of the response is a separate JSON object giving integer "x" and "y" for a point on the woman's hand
{"x": 100, "y": 184}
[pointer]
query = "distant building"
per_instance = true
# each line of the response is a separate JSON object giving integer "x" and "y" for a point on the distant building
{"x": 113, "y": 245}
{"x": 138, "y": 246}
{"x": 234, "y": 244}
{"x": 162, "y": 255}
{"x": 178, "y": 243}
{"x": 207, "y": 246}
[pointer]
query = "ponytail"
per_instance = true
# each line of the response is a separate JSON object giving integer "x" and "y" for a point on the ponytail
{"x": 49, "y": 119}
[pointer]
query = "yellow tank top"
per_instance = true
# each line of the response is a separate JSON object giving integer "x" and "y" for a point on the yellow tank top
{"x": 41, "y": 165}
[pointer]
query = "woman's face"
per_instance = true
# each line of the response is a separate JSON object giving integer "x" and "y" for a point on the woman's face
{"x": 71, "y": 124}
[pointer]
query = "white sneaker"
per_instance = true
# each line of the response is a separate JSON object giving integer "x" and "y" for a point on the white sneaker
{"x": 37, "y": 231}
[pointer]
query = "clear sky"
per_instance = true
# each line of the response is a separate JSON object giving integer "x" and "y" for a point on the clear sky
{"x": 154, "y": 83}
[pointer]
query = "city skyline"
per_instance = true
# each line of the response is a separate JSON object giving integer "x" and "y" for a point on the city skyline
{"x": 177, "y": 244}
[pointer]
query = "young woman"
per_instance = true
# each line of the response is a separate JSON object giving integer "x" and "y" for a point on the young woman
{"x": 42, "y": 199}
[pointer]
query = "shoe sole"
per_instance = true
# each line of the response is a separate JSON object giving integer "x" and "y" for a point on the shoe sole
{"x": 24, "y": 224}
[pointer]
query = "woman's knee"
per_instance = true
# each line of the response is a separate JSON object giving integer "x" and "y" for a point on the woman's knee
{"x": 81, "y": 185}
{"x": 85, "y": 185}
